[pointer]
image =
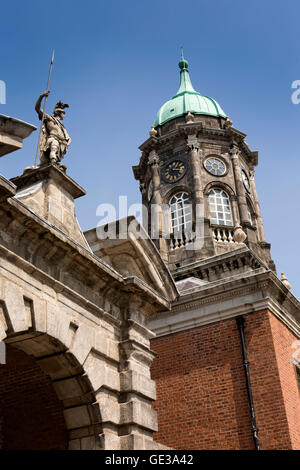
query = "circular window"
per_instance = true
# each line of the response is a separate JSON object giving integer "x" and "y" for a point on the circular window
{"x": 215, "y": 166}
{"x": 246, "y": 181}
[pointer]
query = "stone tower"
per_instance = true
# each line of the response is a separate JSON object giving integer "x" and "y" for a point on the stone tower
{"x": 196, "y": 172}
{"x": 228, "y": 350}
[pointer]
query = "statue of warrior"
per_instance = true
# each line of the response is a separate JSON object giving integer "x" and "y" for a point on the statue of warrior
{"x": 54, "y": 139}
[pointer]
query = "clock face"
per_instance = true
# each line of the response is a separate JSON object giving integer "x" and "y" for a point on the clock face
{"x": 173, "y": 171}
{"x": 246, "y": 181}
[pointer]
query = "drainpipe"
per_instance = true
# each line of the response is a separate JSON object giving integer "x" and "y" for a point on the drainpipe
{"x": 240, "y": 323}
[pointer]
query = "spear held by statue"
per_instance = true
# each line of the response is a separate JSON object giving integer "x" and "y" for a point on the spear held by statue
{"x": 53, "y": 137}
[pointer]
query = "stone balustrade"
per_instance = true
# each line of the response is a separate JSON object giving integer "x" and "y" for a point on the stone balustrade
{"x": 224, "y": 235}
{"x": 181, "y": 239}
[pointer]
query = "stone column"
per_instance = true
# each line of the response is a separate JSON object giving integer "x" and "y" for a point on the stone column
{"x": 203, "y": 242}
{"x": 240, "y": 192}
{"x": 193, "y": 144}
{"x": 138, "y": 419}
{"x": 145, "y": 214}
{"x": 158, "y": 223}
{"x": 260, "y": 227}
{"x": 235, "y": 211}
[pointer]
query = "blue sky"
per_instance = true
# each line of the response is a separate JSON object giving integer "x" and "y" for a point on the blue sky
{"x": 116, "y": 63}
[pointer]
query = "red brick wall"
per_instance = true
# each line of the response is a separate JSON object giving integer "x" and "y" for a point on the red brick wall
{"x": 268, "y": 399}
{"x": 283, "y": 341}
{"x": 202, "y": 399}
{"x": 32, "y": 414}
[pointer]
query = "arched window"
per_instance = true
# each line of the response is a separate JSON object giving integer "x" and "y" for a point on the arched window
{"x": 181, "y": 212}
{"x": 220, "y": 208}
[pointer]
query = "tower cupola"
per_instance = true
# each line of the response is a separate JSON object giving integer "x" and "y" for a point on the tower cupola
{"x": 187, "y": 100}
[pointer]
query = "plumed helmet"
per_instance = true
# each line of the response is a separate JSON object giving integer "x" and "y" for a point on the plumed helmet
{"x": 60, "y": 106}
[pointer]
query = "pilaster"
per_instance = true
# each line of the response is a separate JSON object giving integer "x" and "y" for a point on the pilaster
{"x": 158, "y": 223}
{"x": 138, "y": 419}
{"x": 241, "y": 198}
{"x": 193, "y": 145}
{"x": 260, "y": 228}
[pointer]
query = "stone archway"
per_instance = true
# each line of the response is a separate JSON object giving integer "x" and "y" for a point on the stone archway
{"x": 31, "y": 412}
{"x": 42, "y": 371}
{"x": 74, "y": 356}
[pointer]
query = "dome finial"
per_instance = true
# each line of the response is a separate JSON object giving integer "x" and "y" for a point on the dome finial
{"x": 183, "y": 64}
{"x": 187, "y": 101}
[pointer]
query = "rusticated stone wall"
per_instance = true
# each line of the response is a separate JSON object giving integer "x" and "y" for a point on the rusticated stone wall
{"x": 85, "y": 326}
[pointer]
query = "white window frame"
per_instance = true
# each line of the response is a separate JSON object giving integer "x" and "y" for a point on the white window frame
{"x": 220, "y": 207}
{"x": 181, "y": 212}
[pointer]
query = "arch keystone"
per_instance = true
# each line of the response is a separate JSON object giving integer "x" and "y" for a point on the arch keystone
{"x": 83, "y": 342}
{"x": 57, "y": 323}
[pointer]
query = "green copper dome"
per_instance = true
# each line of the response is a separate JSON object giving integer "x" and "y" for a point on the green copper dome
{"x": 187, "y": 100}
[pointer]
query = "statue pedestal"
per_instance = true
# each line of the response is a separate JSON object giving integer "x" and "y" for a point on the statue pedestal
{"x": 50, "y": 193}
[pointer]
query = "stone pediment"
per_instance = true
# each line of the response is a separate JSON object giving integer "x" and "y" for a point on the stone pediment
{"x": 7, "y": 189}
{"x": 131, "y": 252}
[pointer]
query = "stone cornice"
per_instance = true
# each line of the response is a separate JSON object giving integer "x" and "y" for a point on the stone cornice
{"x": 223, "y": 300}
{"x": 149, "y": 144}
{"x": 58, "y": 286}
{"x": 235, "y": 260}
{"x": 236, "y": 285}
{"x": 236, "y": 134}
{"x": 141, "y": 329}
{"x": 192, "y": 321}
{"x": 49, "y": 171}
{"x": 238, "y": 138}
{"x": 136, "y": 285}
{"x": 230, "y": 134}
{"x": 217, "y": 291}
{"x": 7, "y": 189}
{"x": 36, "y": 232}
{"x": 12, "y": 133}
